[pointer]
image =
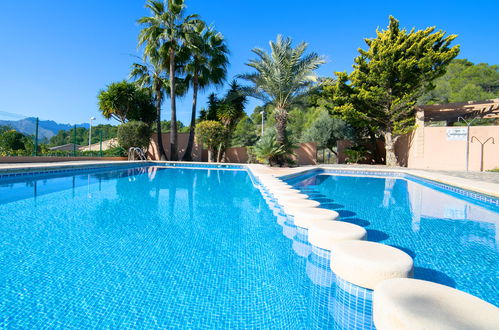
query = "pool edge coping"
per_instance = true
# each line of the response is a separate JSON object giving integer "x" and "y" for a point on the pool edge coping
{"x": 484, "y": 188}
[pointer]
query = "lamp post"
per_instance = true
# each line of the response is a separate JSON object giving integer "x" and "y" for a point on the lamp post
{"x": 262, "y": 113}
{"x": 90, "y": 133}
{"x": 468, "y": 124}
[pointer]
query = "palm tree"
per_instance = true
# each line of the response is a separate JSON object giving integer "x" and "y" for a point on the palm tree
{"x": 282, "y": 78}
{"x": 152, "y": 75}
{"x": 207, "y": 66}
{"x": 166, "y": 31}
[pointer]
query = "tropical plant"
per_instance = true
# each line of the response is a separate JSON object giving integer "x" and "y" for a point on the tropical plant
{"x": 207, "y": 66}
{"x": 134, "y": 134}
{"x": 210, "y": 134}
{"x": 282, "y": 78}
{"x": 389, "y": 77}
{"x": 164, "y": 35}
{"x": 125, "y": 101}
{"x": 268, "y": 150}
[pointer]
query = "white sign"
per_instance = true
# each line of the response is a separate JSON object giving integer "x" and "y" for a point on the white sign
{"x": 457, "y": 133}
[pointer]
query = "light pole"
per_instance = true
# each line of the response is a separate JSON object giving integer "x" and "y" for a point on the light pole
{"x": 468, "y": 124}
{"x": 262, "y": 113}
{"x": 90, "y": 133}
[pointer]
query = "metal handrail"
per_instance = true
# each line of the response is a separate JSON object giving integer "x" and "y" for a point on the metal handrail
{"x": 136, "y": 151}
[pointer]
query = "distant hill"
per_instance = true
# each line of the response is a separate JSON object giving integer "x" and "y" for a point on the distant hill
{"x": 46, "y": 128}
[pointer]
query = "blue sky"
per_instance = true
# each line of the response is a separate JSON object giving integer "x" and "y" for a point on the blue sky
{"x": 56, "y": 55}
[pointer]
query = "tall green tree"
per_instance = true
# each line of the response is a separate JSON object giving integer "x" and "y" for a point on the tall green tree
{"x": 207, "y": 66}
{"x": 245, "y": 133}
{"x": 165, "y": 33}
{"x": 464, "y": 81}
{"x": 211, "y": 112}
{"x": 282, "y": 78}
{"x": 390, "y": 76}
{"x": 229, "y": 112}
{"x": 125, "y": 101}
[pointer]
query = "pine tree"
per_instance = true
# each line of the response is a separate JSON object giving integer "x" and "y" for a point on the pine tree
{"x": 388, "y": 78}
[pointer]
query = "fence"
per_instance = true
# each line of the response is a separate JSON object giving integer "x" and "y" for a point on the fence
{"x": 30, "y": 137}
{"x": 440, "y": 148}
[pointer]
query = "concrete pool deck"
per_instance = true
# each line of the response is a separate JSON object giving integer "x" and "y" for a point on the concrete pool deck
{"x": 482, "y": 182}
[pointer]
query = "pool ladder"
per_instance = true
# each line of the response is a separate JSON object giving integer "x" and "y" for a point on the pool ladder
{"x": 136, "y": 153}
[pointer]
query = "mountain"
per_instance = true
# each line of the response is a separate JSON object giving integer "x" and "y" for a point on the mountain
{"x": 46, "y": 128}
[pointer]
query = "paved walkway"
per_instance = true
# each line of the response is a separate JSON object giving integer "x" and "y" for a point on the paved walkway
{"x": 492, "y": 177}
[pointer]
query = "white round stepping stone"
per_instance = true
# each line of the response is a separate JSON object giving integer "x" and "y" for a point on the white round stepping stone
{"x": 268, "y": 179}
{"x": 325, "y": 233}
{"x": 291, "y": 206}
{"x": 415, "y": 304}
{"x": 283, "y": 191}
{"x": 308, "y": 216}
{"x": 275, "y": 184}
{"x": 298, "y": 203}
{"x": 282, "y": 198}
{"x": 366, "y": 263}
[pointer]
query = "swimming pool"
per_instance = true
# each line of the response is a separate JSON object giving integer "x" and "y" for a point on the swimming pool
{"x": 451, "y": 237}
{"x": 148, "y": 247}
{"x": 159, "y": 247}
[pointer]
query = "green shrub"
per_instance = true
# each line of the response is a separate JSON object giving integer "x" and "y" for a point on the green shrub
{"x": 134, "y": 134}
{"x": 115, "y": 152}
{"x": 210, "y": 133}
{"x": 355, "y": 154}
{"x": 251, "y": 155}
{"x": 11, "y": 140}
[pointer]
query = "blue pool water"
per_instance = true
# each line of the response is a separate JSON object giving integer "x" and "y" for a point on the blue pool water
{"x": 453, "y": 239}
{"x": 150, "y": 248}
{"x": 155, "y": 247}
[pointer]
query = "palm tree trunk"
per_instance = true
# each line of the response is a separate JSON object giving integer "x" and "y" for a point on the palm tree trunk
{"x": 190, "y": 143}
{"x": 173, "y": 129}
{"x": 161, "y": 149}
{"x": 281, "y": 118}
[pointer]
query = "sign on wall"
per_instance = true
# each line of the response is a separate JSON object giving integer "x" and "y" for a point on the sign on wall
{"x": 457, "y": 133}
